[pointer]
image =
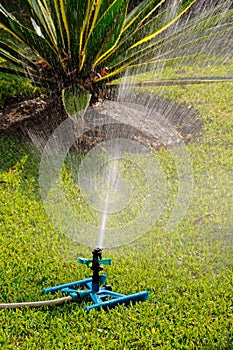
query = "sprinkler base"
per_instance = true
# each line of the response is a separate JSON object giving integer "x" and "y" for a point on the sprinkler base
{"x": 92, "y": 287}
{"x": 103, "y": 298}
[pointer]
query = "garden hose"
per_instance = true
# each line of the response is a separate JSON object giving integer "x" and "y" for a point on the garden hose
{"x": 36, "y": 303}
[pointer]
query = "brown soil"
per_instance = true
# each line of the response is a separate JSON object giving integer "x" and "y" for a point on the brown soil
{"x": 39, "y": 115}
{"x": 42, "y": 116}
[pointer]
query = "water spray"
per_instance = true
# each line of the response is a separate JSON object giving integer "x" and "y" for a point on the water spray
{"x": 95, "y": 288}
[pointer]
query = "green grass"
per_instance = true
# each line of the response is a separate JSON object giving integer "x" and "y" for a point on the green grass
{"x": 188, "y": 271}
{"x": 14, "y": 89}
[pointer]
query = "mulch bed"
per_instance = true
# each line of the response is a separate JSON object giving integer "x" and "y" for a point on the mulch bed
{"x": 42, "y": 116}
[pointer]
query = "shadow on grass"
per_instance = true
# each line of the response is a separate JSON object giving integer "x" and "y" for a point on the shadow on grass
{"x": 11, "y": 152}
{"x": 20, "y": 157}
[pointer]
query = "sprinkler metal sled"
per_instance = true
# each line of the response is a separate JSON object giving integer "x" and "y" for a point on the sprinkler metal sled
{"x": 102, "y": 297}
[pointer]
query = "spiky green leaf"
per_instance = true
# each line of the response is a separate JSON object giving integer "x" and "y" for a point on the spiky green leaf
{"x": 76, "y": 100}
{"x": 105, "y": 34}
{"x": 74, "y": 37}
{"x": 38, "y": 44}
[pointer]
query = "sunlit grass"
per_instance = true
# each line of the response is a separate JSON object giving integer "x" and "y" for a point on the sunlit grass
{"x": 188, "y": 271}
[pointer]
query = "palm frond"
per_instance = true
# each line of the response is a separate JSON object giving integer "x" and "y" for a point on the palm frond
{"x": 41, "y": 16}
{"x": 71, "y": 41}
{"x": 176, "y": 81}
{"x": 191, "y": 38}
{"x": 108, "y": 27}
{"x": 41, "y": 47}
{"x": 147, "y": 30}
{"x": 14, "y": 55}
{"x": 76, "y": 100}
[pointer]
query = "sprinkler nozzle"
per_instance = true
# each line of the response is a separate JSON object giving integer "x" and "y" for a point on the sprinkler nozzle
{"x": 96, "y": 268}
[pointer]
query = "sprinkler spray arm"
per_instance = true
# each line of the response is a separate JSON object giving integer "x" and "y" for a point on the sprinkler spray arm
{"x": 89, "y": 262}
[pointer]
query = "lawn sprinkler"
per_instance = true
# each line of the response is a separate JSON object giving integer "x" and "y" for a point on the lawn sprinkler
{"x": 95, "y": 288}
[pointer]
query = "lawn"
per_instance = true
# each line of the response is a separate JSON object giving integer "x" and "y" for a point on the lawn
{"x": 187, "y": 271}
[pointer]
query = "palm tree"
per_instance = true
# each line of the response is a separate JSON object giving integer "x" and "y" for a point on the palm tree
{"x": 75, "y": 48}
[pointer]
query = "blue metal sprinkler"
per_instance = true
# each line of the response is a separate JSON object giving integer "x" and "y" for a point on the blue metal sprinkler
{"x": 91, "y": 287}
